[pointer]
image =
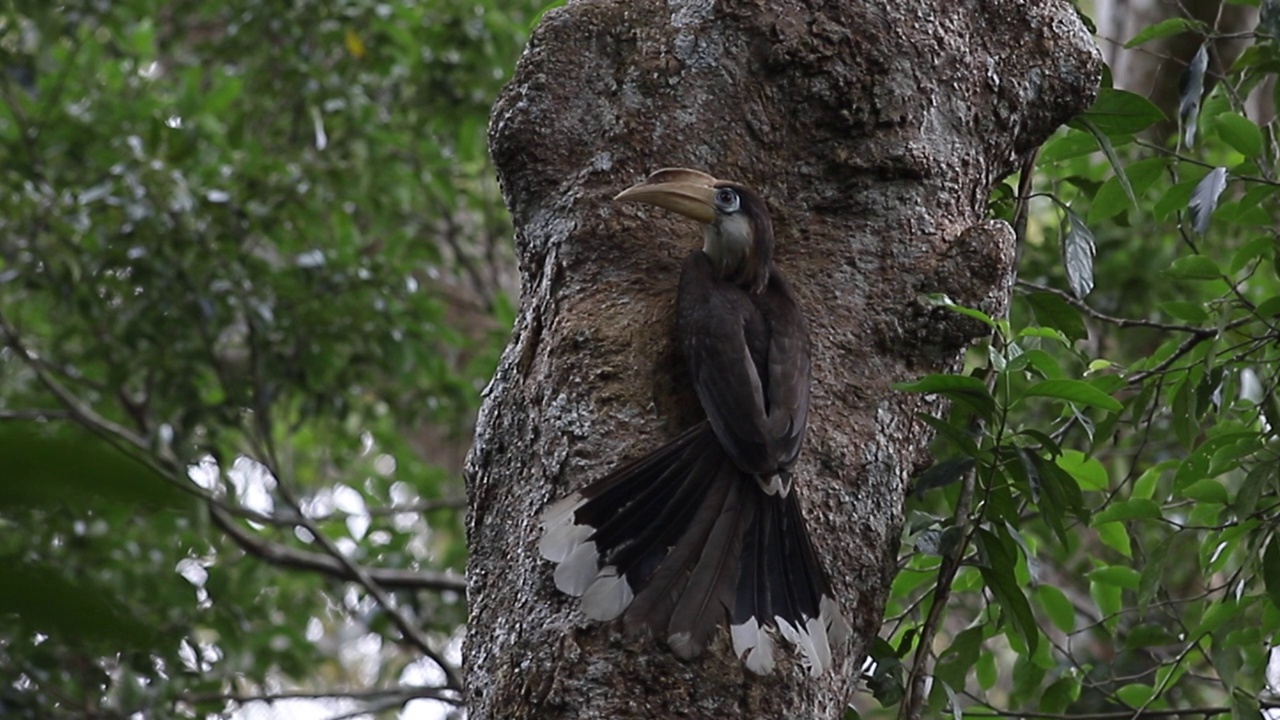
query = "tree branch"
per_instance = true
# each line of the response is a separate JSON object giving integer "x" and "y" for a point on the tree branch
{"x": 296, "y": 559}
{"x": 405, "y": 694}
{"x": 79, "y": 410}
{"x": 34, "y": 415}
{"x": 1117, "y": 321}
{"x": 913, "y": 706}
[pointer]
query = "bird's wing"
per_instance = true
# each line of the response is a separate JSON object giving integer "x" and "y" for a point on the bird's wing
{"x": 787, "y": 385}
{"x": 749, "y": 365}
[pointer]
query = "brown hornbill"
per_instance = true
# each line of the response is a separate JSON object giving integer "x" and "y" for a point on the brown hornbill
{"x": 708, "y": 528}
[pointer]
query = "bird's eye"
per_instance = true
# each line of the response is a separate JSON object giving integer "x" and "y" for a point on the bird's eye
{"x": 726, "y": 200}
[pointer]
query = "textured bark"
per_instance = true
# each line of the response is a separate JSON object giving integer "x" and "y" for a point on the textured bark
{"x": 876, "y": 131}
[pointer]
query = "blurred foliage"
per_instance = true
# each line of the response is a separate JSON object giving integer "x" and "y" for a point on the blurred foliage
{"x": 252, "y": 255}
{"x": 1099, "y": 535}
{"x": 253, "y": 274}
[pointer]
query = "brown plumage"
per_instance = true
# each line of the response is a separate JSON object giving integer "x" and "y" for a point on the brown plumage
{"x": 706, "y": 530}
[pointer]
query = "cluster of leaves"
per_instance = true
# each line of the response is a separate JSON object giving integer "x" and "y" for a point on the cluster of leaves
{"x": 1099, "y": 537}
{"x": 250, "y": 252}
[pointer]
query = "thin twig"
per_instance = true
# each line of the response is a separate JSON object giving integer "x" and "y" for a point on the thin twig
{"x": 34, "y": 415}
{"x": 411, "y": 692}
{"x": 913, "y": 707}
{"x": 416, "y": 508}
{"x": 296, "y": 559}
{"x": 1111, "y": 320}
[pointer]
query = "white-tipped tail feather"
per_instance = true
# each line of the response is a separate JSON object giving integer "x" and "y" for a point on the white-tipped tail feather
{"x": 683, "y": 646}
{"x": 682, "y": 541}
{"x": 579, "y": 570}
{"x": 753, "y": 643}
{"x": 560, "y": 536}
{"x": 608, "y": 596}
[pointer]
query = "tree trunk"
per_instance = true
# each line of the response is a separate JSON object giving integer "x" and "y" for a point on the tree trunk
{"x": 876, "y": 131}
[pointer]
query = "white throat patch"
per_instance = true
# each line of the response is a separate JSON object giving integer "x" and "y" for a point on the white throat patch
{"x": 727, "y": 241}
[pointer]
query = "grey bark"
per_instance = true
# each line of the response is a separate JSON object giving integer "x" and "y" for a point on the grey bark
{"x": 876, "y": 131}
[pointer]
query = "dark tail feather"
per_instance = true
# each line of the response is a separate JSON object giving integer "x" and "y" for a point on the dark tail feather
{"x": 680, "y": 541}
{"x": 609, "y": 537}
{"x": 709, "y": 597}
{"x": 787, "y": 593}
{"x": 656, "y": 602}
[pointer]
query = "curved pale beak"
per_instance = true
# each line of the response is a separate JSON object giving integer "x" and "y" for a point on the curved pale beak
{"x": 688, "y": 192}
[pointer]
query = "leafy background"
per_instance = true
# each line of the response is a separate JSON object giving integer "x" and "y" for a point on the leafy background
{"x": 255, "y": 271}
{"x": 254, "y": 268}
{"x": 1098, "y": 536}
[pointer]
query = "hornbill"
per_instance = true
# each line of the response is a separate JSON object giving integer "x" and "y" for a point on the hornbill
{"x": 708, "y": 528}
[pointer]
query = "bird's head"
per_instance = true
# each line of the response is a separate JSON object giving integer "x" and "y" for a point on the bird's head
{"x": 738, "y": 230}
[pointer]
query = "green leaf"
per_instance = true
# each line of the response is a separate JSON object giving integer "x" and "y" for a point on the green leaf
{"x": 961, "y": 388}
{"x": 1056, "y": 605}
{"x": 1073, "y": 391}
{"x": 943, "y": 473}
{"x": 1164, "y": 29}
{"x": 1269, "y": 308}
{"x": 987, "y": 672}
{"x": 1194, "y": 267}
{"x": 1271, "y": 570}
{"x": 1086, "y": 470}
{"x": 1175, "y": 199}
{"x": 1060, "y": 493}
{"x": 1110, "y": 601}
{"x": 1119, "y": 112}
{"x": 1114, "y": 197}
{"x": 1104, "y": 143}
{"x": 1135, "y": 695}
{"x": 999, "y": 576}
{"x": 1115, "y": 536}
{"x": 1046, "y": 333}
{"x": 1258, "y": 481}
{"x": 1240, "y": 133}
{"x": 941, "y": 300}
{"x": 1059, "y": 696}
{"x": 1255, "y": 249}
{"x": 886, "y": 683}
{"x": 1133, "y": 509}
{"x": 1244, "y": 707}
{"x": 1216, "y": 616}
{"x": 1207, "y": 490}
{"x": 66, "y": 466}
{"x": 1152, "y": 576}
{"x": 1054, "y": 312}
{"x": 1121, "y": 576}
{"x": 1027, "y": 676}
{"x": 1149, "y": 635}
{"x": 1235, "y": 212}
{"x": 955, "y": 663}
{"x": 72, "y": 610}
{"x": 1185, "y": 310}
{"x": 1073, "y": 143}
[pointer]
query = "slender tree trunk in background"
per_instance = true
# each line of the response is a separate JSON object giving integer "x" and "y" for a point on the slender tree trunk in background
{"x": 876, "y": 131}
{"x": 1154, "y": 68}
